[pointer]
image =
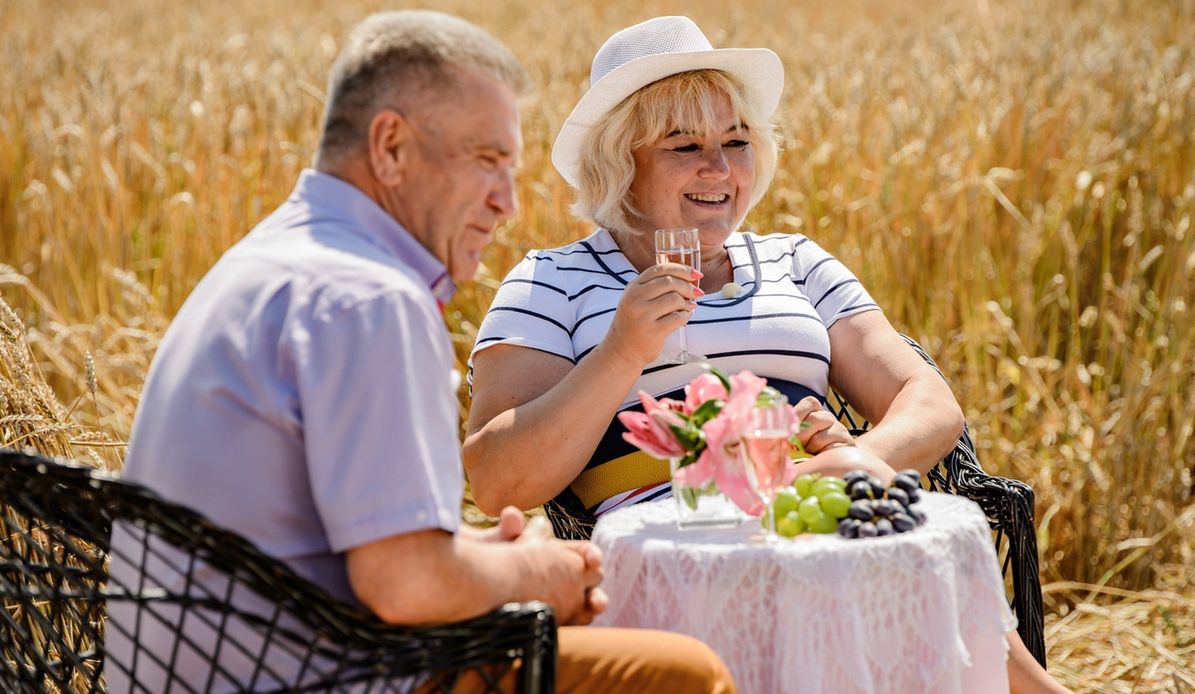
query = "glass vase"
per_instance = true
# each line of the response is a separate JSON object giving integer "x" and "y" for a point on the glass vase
{"x": 701, "y": 507}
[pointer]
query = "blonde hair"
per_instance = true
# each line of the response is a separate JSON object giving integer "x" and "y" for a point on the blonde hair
{"x": 684, "y": 101}
{"x": 406, "y": 57}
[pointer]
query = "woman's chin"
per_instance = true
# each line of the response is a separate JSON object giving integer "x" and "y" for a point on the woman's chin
{"x": 714, "y": 235}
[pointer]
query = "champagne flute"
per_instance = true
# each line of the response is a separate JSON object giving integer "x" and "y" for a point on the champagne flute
{"x": 680, "y": 246}
{"x": 765, "y": 446}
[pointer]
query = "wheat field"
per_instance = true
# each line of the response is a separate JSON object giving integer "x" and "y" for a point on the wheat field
{"x": 1014, "y": 182}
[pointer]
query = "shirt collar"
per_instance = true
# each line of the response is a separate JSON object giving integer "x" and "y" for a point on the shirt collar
{"x": 375, "y": 225}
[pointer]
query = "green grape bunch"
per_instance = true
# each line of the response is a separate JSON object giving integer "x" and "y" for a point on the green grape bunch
{"x": 856, "y": 505}
{"x": 814, "y": 504}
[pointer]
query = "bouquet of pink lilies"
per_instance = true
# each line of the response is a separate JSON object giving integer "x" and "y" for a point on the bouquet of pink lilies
{"x": 707, "y": 430}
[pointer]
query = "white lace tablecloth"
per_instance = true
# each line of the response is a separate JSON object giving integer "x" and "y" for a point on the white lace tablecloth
{"x": 920, "y": 612}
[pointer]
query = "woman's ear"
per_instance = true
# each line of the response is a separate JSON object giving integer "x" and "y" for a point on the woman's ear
{"x": 390, "y": 142}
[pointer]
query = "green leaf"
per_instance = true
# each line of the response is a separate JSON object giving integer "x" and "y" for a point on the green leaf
{"x": 706, "y": 411}
{"x": 796, "y": 443}
{"x": 689, "y": 496}
{"x": 691, "y": 457}
{"x": 689, "y": 435}
{"x": 769, "y": 396}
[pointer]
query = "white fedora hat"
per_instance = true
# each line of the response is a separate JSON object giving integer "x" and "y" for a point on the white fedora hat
{"x": 639, "y": 55}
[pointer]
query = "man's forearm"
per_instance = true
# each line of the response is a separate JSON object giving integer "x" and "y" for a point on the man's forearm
{"x": 432, "y": 576}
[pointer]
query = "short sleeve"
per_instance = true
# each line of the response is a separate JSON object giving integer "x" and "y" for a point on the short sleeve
{"x": 380, "y": 418}
{"x": 833, "y": 289}
{"x": 530, "y": 309}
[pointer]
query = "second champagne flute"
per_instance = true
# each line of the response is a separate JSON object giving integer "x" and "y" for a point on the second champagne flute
{"x": 765, "y": 445}
{"x": 680, "y": 246}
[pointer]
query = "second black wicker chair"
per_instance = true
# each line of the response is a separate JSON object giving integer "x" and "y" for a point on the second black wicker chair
{"x": 226, "y": 616}
{"x": 1007, "y": 503}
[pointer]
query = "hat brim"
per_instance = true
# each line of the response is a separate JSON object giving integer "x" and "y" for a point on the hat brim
{"x": 758, "y": 69}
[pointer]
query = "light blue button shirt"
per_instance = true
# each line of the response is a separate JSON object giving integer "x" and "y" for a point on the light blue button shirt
{"x": 302, "y": 395}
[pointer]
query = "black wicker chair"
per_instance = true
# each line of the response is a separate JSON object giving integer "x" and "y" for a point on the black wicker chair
{"x": 56, "y": 590}
{"x": 1007, "y": 503}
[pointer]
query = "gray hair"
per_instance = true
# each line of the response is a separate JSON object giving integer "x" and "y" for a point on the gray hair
{"x": 394, "y": 58}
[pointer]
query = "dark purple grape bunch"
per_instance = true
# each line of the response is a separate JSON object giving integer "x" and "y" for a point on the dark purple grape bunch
{"x": 877, "y": 511}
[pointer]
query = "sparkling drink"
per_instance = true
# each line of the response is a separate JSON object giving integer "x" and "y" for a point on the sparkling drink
{"x": 680, "y": 246}
{"x": 765, "y": 455}
{"x": 684, "y": 256}
{"x": 767, "y": 452}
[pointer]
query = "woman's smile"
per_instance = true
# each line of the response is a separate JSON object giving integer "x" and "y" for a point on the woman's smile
{"x": 696, "y": 177}
{"x": 714, "y": 199}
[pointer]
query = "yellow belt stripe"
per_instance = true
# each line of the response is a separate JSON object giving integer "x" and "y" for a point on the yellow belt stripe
{"x": 631, "y": 471}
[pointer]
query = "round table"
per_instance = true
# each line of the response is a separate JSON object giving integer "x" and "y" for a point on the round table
{"x": 924, "y": 611}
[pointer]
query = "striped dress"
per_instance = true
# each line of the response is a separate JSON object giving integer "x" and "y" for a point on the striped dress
{"x": 562, "y": 301}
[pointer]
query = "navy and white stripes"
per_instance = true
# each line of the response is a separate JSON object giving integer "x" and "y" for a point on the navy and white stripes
{"x": 562, "y": 301}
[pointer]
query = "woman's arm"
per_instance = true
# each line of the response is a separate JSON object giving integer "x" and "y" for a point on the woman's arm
{"x": 536, "y": 419}
{"x": 916, "y": 418}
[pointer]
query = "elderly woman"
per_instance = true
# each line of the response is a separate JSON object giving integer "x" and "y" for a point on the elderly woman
{"x": 673, "y": 133}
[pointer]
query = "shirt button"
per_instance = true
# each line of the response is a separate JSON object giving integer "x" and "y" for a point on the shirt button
{"x": 421, "y": 516}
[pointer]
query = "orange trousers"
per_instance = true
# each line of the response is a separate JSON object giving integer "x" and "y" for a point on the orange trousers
{"x": 601, "y": 659}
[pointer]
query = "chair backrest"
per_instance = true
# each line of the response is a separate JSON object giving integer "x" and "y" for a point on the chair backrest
{"x": 188, "y": 606}
{"x": 1008, "y": 505}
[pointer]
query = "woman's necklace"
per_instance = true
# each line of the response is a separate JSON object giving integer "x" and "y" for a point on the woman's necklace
{"x": 718, "y": 276}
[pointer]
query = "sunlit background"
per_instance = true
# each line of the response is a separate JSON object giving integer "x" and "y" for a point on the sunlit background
{"x": 1013, "y": 181}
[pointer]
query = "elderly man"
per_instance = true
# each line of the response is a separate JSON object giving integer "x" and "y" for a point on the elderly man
{"x": 303, "y": 394}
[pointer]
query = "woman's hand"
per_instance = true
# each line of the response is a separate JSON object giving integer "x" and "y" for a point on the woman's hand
{"x": 654, "y": 305}
{"x": 839, "y": 460}
{"x": 820, "y": 429}
{"x": 519, "y": 393}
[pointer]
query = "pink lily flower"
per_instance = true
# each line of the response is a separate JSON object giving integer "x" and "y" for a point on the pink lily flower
{"x": 650, "y": 430}
{"x": 704, "y": 387}
{"x": 745, "y": 388}
{"x": 721, "y": 461}
{"x": 723, "y": 444}
{"x": 699, "y": 473}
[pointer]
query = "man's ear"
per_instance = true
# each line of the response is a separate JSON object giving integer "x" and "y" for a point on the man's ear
{"x": 390, "y": 143}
